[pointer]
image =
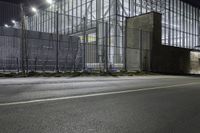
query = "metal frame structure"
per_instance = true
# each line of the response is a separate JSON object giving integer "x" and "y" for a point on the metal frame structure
{"x": 101, "y": 23}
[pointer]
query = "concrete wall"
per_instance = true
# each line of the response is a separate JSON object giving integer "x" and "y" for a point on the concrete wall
{"x": 141, "y": 36}
{"x": 41, "y": 51}
{"x": 166, "y": 59}
{"x": 160, "y": 58}
{"x": 195, "y": 62}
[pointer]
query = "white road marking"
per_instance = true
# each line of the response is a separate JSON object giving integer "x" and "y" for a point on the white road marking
{"x": 96, "y": 94}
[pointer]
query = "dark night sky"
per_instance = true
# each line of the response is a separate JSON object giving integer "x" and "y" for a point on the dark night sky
{"x": 26, "y": 2}
{"x": 194, "y": 2}
{"x": 9, "y": 11}
{"x": 19, "y": 1}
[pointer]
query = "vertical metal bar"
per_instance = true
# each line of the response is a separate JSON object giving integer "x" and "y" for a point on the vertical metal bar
{"x": 64, "y": 17}
{"x": 26, "y": 50}
{"x": 141, "y": 50}
{"x": 102, "y": 37}
{"x": 72, "y": 16}
{"x": 169, "y": 22}
{"x": 98, "y": 16}
{"x": 22, "y": 39}
{"x": 125, "y": 46}
{"x": 123, "y": 33}
{"x": 116, "y": 33}
{"x": 68, "y": 17}
{"x": 177, "y": 16}
{"x": 84, "y": 44}
{"x": 106, "y": 48}
{"x": 150, "y": 50}
{"x": 91, "y": 14}
{"x": 77, "y": 15}
{"x": 57, "y": 40}
{"x": 109, "y": 21}
{"x": 17, "y": 64}
{"x": 35, "y": 64}
{"x": 184, "y": 12}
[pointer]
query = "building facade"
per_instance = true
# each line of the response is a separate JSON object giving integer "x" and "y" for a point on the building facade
{"x": 101, "y": 23}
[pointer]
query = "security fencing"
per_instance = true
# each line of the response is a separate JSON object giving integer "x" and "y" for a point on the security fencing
{"x": 102, "y": 40}
{"x": 91, "y": 35}
{"x": 39, "y": 52}
{"x": 56, "y": 42}
{"x": 47, "y": 52}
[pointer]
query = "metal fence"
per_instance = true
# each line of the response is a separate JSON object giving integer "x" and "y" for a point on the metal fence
{"x": 39, "y": 52}
{"x": 52, "y": 41}
{"x": 101, "y": 49}
{"x": 87, "y": 36}
{"x": 47, "y": 52}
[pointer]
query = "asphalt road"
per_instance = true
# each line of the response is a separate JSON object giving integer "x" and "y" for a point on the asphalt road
{"x": 152, "y": 104}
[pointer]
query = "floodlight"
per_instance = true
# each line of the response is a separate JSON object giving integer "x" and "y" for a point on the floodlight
{"x": 34, "y": 9}
{"x": 13, "y": 21}
{"x": 6, "y": 25}
{"x": 49, "y": 1}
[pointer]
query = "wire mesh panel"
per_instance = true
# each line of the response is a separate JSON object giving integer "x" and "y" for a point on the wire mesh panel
{"x": 101, "y": 27}
{"x": 46, "y": 52}
{"x": 9, "y": 50}
{"x": 70, "y": 56}
{"x": 41, "y": 51}
{"x": 100, "y": 43}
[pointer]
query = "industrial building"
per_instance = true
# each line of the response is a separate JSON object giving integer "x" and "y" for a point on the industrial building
{"x": 104, "y": 21}
{"x": 102, "y": 28}
{"x": 180, "y": 20}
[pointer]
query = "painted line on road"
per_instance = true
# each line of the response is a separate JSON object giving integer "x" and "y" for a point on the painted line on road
{"x": 96, "y": 94}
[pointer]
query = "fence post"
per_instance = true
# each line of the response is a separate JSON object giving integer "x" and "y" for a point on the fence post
{"x": 150, "y": 50}
{"x": 57, "y": 40}
{"x": 17, "y": 65}
{"x": 125, "y": 47}
{"x": 84, "y": 44}
{"x": 26, "y": 50}
{"x": 141, "y": 50}
{"x": 106, "y": 50}
{"x": 66, "y": 64}
{"x": 35, "y": 63}
{"x": 22, "y": 39}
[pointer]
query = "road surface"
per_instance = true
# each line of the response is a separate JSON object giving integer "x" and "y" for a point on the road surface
{"x": 151, "y": 104}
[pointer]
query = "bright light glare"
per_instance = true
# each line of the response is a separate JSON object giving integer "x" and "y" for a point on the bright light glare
{"x": 49, "y": 1}
{"x": 13, "y": 21}
{"x": 6, "y": 26}
{"x": 34, "y": 9}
